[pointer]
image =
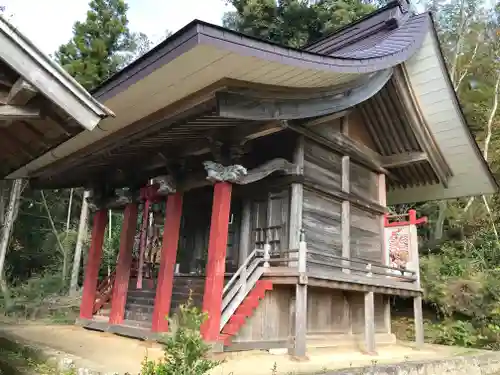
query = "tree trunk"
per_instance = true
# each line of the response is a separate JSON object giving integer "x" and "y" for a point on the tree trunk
{"x": 438, "y": 229}
{"x": 3, "y": 200}
{"x": 10, "y": 216}
{"x": 70, "y": 204}
{"x": 80, "y": 239}
{"x": 62, "y": 249}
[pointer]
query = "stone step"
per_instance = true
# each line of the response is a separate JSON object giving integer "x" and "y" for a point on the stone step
{"x": 148, "y": 301}
{"x": 137, "y": 323}
{"x": 139, "y": 308}
{"x": 142, "y": 293}
{"x": 138, "y": 316}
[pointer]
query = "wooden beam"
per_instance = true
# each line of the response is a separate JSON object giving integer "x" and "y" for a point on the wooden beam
{"x": 324, "y": 119}
{"x": 10, "y": 112}
{"x": 382, "y": 198}
{"x": 21, "y": 93}
{"x": 269, "y": 105}
{"x": 342, "y": 196}
{"x": 369, "y": 305}
{"x": 419, "y": 321}
{"x": 401, "y": 160}
{"x": 346, "y": 205}
{"x": 343, "y": 145}
{"x": 300, "y": 328}
{"x": 245, "y": 231}
{"x": 296, "y": 198}
{"x": 254, "y": 132}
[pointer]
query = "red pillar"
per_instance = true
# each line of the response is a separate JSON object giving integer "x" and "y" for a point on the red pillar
{"x": 120, "y": 287}
{"x": 216, "y": 263}
{"x": 167, "y": 262}
{"x": 93, "y": 264}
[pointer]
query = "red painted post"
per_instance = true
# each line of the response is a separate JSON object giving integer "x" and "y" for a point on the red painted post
{"x": 143, "y": 243}
{"x": 167, "y": 262}
{"x": 93, "y": 263}
{"x": 216, "y": 263}
{"x": 412, "y": 214}
{"x": 120, "y": 287}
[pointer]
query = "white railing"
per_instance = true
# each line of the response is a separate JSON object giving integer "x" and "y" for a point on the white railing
{"x": 242, "y": 283}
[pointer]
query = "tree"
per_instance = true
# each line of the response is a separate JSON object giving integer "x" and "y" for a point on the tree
{"x": 293, "y": 22}
{"x": 100, "y": 45}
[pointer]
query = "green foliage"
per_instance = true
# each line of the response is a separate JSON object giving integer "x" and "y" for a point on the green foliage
{"x": 100, "y": 45}
{"x": 185, "y": 352}
{"x": 293, "y": 22}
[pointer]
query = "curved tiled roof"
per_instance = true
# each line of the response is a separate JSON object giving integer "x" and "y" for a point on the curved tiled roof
{"x": 380, "y": 41}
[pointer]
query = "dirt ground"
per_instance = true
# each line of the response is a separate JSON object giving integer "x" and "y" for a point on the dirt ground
{"x": 110, "y": 353}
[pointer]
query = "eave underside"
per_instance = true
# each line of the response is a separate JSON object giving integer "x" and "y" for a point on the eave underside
{"x": 200, "y": 132}
{"x": 30, "y": 125}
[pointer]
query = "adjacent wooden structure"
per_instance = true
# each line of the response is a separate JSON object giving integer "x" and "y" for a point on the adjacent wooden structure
{"x": 273, "y": 169}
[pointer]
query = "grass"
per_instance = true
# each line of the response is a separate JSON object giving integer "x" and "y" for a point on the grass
{"x": 18, "y": 359}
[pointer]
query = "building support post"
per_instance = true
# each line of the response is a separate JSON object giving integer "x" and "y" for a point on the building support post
{"x": 300, "y": 342}
{"x": 93, "y": 264}
{"x": 346, "y": 205}
{"x": 216, "y": 263}
{"x": 419, "y": 321}
{"x": 168, "y": 257}
{"x": 143, "y": 242}
{"x": 382, "y": 198}
{"x": 370, "y": 346}
{"x": 296, "y": 201}
{"x": 124, "y": 262}
{"x": 245, "y": 231}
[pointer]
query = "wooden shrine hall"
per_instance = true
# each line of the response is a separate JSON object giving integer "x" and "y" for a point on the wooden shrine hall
{"x": 255, "y": 178}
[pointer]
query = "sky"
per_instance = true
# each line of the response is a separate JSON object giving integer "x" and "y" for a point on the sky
{"x": 48, "y": 23}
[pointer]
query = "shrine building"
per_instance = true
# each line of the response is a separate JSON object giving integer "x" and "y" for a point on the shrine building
{"x": 252, "y": 176}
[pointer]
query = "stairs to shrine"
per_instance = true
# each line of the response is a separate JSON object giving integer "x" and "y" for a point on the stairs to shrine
{"x": 140, "y": 302}
{"x": 245, "y": 310}
{"x": 242, "y": 295}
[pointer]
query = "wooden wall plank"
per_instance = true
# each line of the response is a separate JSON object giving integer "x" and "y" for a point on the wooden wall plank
{"x": 271, "y": 320}
{"x": 363, "y": 182}
{"x": 365, "y": 235}
{"x": 325, "y": 313}
{"x": 322, "y": 223}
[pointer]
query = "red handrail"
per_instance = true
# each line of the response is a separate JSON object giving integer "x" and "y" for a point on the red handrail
{"x": 104, "y": 292}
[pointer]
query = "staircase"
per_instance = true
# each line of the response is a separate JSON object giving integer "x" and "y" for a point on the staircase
{"x": 242, "y": 295}
{"x": 240, "y": 298}
{"x": 139, "y": 305}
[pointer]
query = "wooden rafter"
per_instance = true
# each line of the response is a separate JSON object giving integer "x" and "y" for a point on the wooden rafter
{"x": 419, "y": 127}
{"x": 345, "y": 146}
{"x": 21, "y": 93}
{"x": 11, "y": 112}
{"x": 404, "y": 159}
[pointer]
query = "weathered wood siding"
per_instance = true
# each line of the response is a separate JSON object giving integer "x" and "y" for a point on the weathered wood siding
{"x": 270, "y": 211}
{"x": 321, "y": 213}
{"x": 356, "y": 302}
{"x": 272, "y": 319}
{"x": 358, "y": 131}
{"x": 365, "y": 235}
{"x": 321, "y": 223}
{"x": 327, "y": 311}
{"x": 363, "y": 182}
{"x": 322, "y": 166}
